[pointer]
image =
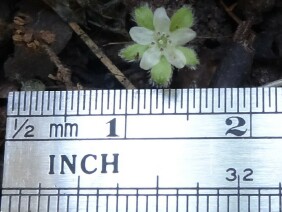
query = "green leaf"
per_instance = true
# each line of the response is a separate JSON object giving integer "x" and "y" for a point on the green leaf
{"x": 133, "y": 52}
{"x": 191, "y": 57}
{"x": 161, "y": 73}
{"x": 182, "y": 18}
{"x": 144, "y": 17}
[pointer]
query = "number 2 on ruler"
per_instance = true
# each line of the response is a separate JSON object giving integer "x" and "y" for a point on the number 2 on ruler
{"x": 233, "y": 130}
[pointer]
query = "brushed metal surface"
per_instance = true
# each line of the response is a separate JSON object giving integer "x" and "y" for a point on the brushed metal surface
{"x": 144, "y": 150}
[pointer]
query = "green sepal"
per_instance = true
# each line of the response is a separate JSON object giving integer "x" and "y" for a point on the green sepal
{"x": 182, "y": 18}
{"x": 144, "y": 17}
{"x": 191, "y": 57}
{"x": 133, "y": 52}
{"x": 161, "y": 73}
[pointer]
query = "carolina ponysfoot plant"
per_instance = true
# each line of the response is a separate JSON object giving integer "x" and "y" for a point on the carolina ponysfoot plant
{"x": 159, "y": 42}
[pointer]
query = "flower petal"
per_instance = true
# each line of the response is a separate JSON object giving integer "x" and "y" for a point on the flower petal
{"x": 133, "y": 52}
{"x": 175, "y": 57}
{"x": 150, "y": 58}
{"x": 141, "y": 35}
{"x": 161, "y": 20}
{"x": 191, "y": 57}
{"x": 182, "y": 18}
{"x": 182, "y": 36}
{"x": 161, "y": 73}
{"x": 144, "y": 17}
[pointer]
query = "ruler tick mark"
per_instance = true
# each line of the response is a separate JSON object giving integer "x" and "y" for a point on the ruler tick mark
{"x": 150, "y": 102}
{"x": 84, "y": 99}
{"x": 48, "y": 101}
{"x": 138, "y": 102}
{"x": 244, "y": 97}
{"x": 269, "y": 203}
{"x": 20, "y": 200}
{"x": 78, "y": 102}
{"x": 144, "y": 96}
{"x": 238, "y": 193}
{"x": 126, "y": 203}
{"x": 13, "y": 101}
{"x": 39, "y": 195}
{"x": 207, "y": 98}
{"x": 24, "y": 103}
{"x": 157, "y": 194}
{"x": 280, "y": 196}
{"x": 197, "y": 197}
{"x": 78, "y": 194}
{"x": 87, "y": 202}
{"x": 37, "y": 99}
{"x": 108, "y": 99}
{"x": 72, "y": 99}
{"x": 166, "y": 197}
{"x": 194, "y": 98}
{"x": 231, "y": 90}
{"x": 181, "y": 94}
{"x": 114, "y": 102}
{"x": 169, "y": 98}
{"x": 163, "y": 101}
{"x": 19, "y": 101}
{"x": 249, "y": 203}
{"x": 132, "y": 99}
{"x": 90, "y": 102}
{"x": 117, "y": 195}
{"x": 269, "y": 97}
{"x": 177, "y": 199}
{"x": 157, "y": 99}
{"x": 217, "y": 200}
{"x": 208, "y": 202}
{"x": 218, "y": 101}
{"x": 276, "y": 100}
{"x": 228, "y": 203}
{"x": 212, "y": 101}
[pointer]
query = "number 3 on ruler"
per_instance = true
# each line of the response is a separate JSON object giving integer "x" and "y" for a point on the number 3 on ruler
{"x": 233, "y": 130}
{"x": 112, "y": 124}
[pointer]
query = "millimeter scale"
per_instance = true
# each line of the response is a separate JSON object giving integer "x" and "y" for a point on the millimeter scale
{"x": 154, "y": 150}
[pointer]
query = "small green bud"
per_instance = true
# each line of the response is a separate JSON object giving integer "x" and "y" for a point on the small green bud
{"x": 161, "y": 73}
{"x": 133, "y": 52}
{"x": 144, "y": 17}
{"x": 191, "y": 57}
{"x": 182, "y": 18}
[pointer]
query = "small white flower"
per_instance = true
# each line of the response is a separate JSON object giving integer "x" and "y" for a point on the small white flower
{"x": 159, "y": 42}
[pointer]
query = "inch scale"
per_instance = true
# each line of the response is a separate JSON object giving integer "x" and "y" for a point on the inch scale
{"x": 144, "y": 150}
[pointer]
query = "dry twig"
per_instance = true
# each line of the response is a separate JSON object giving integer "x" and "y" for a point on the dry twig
{"x": 229, "y": 10}
{"x": 276, "y": 83}
{"x": 63, "y": 73}
{"x": 96, "y": 50}
{"x": 102, "y": 57}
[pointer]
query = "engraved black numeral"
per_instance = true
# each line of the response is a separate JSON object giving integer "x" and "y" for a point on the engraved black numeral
{"x": 29, "y": 131}
{"x": 112, "y": 124}
{"x": 234, "y": 130}
{"x": 234, "y": 176}
{"x": 249, "y": 172}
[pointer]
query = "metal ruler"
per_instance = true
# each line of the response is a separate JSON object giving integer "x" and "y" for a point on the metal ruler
{"x": 144, "y": 150}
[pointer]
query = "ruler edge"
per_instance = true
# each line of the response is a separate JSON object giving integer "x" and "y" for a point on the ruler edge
{"x": 194, "y": 104}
